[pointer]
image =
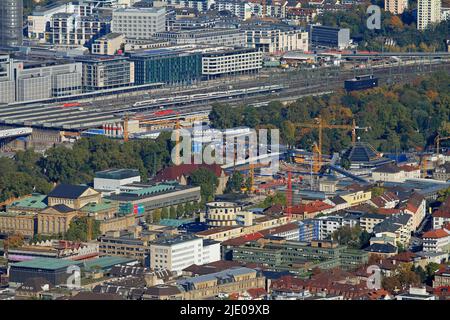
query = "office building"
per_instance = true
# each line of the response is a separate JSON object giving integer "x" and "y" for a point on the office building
{"x": 331, "y": 37}
{"x": 227, "y": 62}
{"x": 213, "y": 37}
{"x": 7, "y": 84}
{"x": 106, "y": 72}
{"x": 275, "y": 38}
{"x": 180, "y": 252}
{"x": 139, "y": 23}
{"x": 11, "y": 17}
{"x": 168, "y": 66}
{"x": 143, "y": 199}
{"x": 428, "y": 13}
{"x": 113, "y": 179}
{"x": 109, "y": 44}
{"x": 36, "y": 80}
{"x": 395, "y": 6}
{"x": 199, "y": 5}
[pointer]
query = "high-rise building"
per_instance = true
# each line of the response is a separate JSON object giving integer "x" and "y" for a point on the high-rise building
{"x": 395, "y": 6}
{"x": 11, "y": 17}
{"x": 428, "y": 12}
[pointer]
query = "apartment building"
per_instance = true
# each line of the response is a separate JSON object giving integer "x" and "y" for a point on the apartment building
{"x": 428, "y": 13}
{"x": 76, "y": 30}
{"x": 329, "y": 36}
{"x": 436, "y": 240}
{"x": 139, "y": 23}
{"x": 220, "y": 214}
{"x": 395, "y": 6}
{"x": 393, "y": 173}
{"x": 182, "y": 251}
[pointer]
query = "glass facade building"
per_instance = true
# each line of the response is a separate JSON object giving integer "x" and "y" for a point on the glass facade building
{"x": 167, "y": 66}
{"x": 11, "y": 22}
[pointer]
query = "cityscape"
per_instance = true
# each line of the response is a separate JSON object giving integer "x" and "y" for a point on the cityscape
{"x": 225, "y": 150}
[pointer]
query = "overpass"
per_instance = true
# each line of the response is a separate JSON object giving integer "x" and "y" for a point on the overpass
{"x": 15, "y": 133}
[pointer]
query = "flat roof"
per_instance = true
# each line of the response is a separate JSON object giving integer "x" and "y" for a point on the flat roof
{"x": 46, "y": 263}
{"x": 35, "y": 201}
{"x": 117, "y": 173}
{"x": 106, "y": 262}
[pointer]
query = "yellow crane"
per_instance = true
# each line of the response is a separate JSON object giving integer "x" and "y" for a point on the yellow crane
{"x": 320, "y": 124}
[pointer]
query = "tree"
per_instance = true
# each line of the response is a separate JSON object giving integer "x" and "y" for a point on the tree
{"x": 78, "y": 229}
{"x": 235, "y": 182}
{"x": 278, "y": 198}
{"x": 350, "y": 236}
{"x": 173, "y": 213}
{"x": 364, "y": 239}
{"x": 165, "y": 213}
{"x": 207, "y": 181}
{"x": 180, "y": 210}
{"x": 156, "y": 215}
{"x": 430, "y": 270}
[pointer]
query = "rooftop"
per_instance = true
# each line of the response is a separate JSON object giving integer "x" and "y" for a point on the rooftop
{"x": 117, "y": 173}
{"x": 67, "y": 191}
{"x": 45, "y": 263}
{"x": 35, "y": 201}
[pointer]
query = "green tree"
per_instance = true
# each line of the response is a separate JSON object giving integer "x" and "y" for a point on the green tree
{"x": 180, "y": 210}
{"x": 78, "y": 229}
{"x": 173, "y": 213}
{"x": 156, "y": 215}
{"x": 278, "y": 198}
{"x": 165, "y": 213}
{"x": 207, "y": 181}
{"x": 235, "y": 182}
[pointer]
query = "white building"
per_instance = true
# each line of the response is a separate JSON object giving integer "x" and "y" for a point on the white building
{"x": 392, "y": 173}
{"x": 277, "y": 40}
{"x": 243, "y": 10}
{"x": 109, "y": 44}
{"x": 178, "y": 253}
{"x": 113, "y": 179}
{"x": 437, "y": 240}
{"x": 428, "y": 12}
{"x": 416, "y": 294}
{"x": 139, "y": 23}
{"x": 222, "y": 213}
{"x": 222, "y": 62}
{"x": 215, "y": 37}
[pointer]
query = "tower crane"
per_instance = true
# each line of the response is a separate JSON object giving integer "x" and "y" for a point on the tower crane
{"x": 320, "y": 124}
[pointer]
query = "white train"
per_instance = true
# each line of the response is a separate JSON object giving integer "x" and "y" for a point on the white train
{"x": 216, "y": 94}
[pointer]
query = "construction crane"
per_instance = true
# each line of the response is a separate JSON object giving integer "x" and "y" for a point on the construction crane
{"x": 320, "y": 125}
{"x": 437, "y": 141}
{"x": 289, "y": 196}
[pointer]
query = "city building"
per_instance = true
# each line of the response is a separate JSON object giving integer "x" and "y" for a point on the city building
{"x": 139, "y": 23}
{"x": 212, "y": 37}
{"x": 442, "y": 277}
{"x": 442, "y": 172}
{"x": 76, "y": 30}
{"x": 395, "y": 6}
{"x": 124, "y": 244}
{"x": 73, "y": 196}
{"x": 329, "y": 36}
{"x": 18, "y": 222}
{"x": 275, "y": 38}
{"x": 436, "y": 240}
{"x": 11, "y": 22}
{"x": 26, "y": 80}
{"x": 228, "y": 62}
{"x": 198, "y": 5}
{"x": 106, "y": 72}
{"x": 38, "y": 21}
{"x": 416, "y": 294}
{"x": 143, "y": 199}
{"x": 298, "y": 257}
{"x": 59, "y": 249}
{"x": 109, "y": 44}
{"x": 241, "y": 9}
{"x": 368, "y": 221}
{"x": 234, "y": 280}
{"x": 398, "y": 226}
{"x": 7, "y": 83}
{"x": 428, "y": 13}
{"x": 180, "y": 252}
{"x": 51, "y": 269}
{"x": 55, "y": 219}
{"x": 166, "y": 66}
{"x": 393, "y": 173}
{"x": 220, "y": 214}
{"x": 113, "y": 179}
